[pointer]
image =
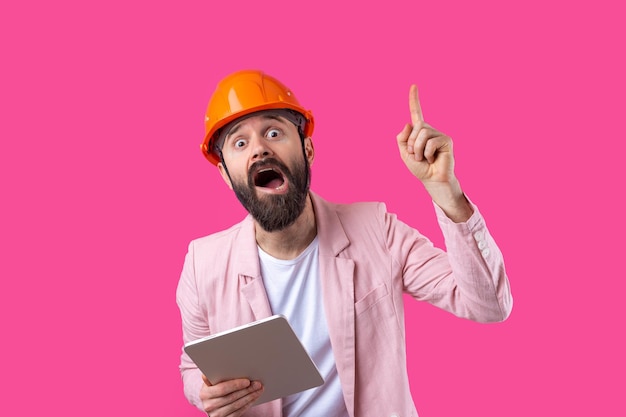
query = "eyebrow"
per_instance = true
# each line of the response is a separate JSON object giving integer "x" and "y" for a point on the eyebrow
{"x": 235, "y": 128}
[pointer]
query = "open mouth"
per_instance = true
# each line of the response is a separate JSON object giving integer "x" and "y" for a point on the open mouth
{"x": 269, "y": 178}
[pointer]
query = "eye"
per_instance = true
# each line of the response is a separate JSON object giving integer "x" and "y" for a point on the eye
{"x": 239, "y": 143}
{"x": 273, "y": 133}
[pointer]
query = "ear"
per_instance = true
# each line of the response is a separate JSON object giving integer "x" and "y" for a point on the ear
{"x": 309, "y": 150}
{"x": 225, "y": 176}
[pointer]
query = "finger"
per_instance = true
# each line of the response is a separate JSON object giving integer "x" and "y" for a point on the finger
{"x": 413, "y": 140}
{"x": 226, "y": 388}
{"x": 434, "y": 146}
{"x": 240, "y": 406}
{"x": 234, "y": 402}
{"x": 418, "y": 138}
{"x": 403, "y": 136}
{"x": 417, "y": 117}
{"x": 421, "y": 136}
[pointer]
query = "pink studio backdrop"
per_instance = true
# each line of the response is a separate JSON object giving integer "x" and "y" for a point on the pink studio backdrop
{"x": 103, "y": 185}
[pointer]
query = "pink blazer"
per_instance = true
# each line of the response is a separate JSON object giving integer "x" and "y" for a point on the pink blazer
{"x": 368, "y": 260}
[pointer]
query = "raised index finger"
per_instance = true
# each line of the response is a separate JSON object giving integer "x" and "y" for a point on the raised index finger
{"x": 414, "y": 106}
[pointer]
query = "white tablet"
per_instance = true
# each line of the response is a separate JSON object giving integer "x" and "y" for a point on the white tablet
{"x": 266, "y": 350}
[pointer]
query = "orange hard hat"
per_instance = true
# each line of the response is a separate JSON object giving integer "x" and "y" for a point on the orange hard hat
{"x": 242, "y": 93}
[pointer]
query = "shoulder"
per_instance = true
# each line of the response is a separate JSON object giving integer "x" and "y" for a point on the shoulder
{"x": 356, "y": 219}
{"x": 361, "y": 208}
{"x": 366, "y": 208}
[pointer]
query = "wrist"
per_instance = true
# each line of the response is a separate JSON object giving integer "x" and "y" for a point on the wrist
{"x": 450, "y": 198}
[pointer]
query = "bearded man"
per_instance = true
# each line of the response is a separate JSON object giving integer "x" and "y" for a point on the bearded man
{"x": 338, "y": 272}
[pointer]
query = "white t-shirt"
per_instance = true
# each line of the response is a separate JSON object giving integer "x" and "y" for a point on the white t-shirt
{"x": 294, "y": 290}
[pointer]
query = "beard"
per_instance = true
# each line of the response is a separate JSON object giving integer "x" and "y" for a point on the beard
{"x": 276, "y": 212}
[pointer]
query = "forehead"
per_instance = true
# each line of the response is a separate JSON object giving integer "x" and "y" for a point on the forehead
{"x": 254, "y": 117}
{"x": 237, "y": 124}
{"x": 279, "y": 115}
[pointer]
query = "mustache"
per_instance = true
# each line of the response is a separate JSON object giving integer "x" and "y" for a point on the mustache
{"x": 266, "y": 162}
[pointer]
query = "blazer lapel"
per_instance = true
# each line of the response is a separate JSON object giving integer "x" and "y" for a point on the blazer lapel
{"x": 337, "y": 277}
{"x": 250, "y": 280}
{"x": 254, "y": 292}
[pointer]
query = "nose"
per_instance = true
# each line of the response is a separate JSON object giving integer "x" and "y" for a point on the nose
{"x": 259, "y": 147}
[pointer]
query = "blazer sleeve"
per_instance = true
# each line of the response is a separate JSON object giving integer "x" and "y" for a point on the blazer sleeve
{"x": 468, "y": 279}
{"x": 194, "y": 324}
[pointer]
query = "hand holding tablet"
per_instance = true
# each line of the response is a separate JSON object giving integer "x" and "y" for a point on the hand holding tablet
{"x": 266, "y": 350}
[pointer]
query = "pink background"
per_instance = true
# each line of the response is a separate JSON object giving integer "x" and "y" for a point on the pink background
{"x": 103, "y": 185}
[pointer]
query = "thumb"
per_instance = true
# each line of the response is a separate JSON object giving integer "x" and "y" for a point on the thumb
{"x": 403, "y": 136}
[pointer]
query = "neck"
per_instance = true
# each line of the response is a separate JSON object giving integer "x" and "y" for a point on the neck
{"x": 293, "y": 240}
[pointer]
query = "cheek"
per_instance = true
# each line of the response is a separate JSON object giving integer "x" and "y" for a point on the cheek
{"x": 230, "y": 170}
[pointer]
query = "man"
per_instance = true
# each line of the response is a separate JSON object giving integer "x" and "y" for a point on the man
{"x": 337, "y": 272}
